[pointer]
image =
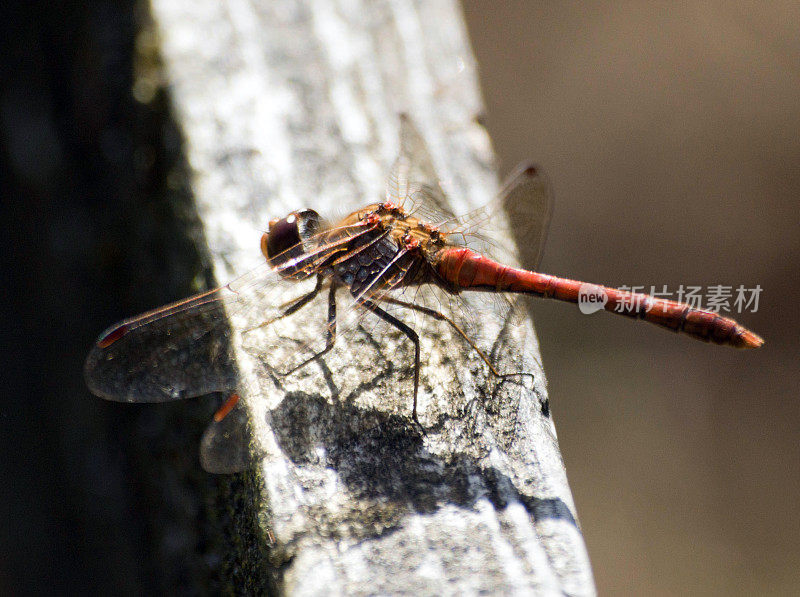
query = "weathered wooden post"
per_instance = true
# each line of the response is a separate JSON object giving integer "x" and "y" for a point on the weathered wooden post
{"x": 286, "y": 104}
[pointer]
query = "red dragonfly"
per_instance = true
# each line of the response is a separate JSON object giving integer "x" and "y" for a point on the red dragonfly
{"x": 405, "y": 253}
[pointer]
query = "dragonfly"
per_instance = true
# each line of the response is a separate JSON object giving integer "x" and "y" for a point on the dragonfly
{"x": 405, "y": 254}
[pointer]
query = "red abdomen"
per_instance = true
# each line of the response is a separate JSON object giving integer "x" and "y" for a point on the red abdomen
{"x": 466, "y": 269}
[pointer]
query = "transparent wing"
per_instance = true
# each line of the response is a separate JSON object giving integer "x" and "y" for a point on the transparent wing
{"x": 519, "y": 216}
{"x": 184, "y": 349}
{"x": 413, "y": 177}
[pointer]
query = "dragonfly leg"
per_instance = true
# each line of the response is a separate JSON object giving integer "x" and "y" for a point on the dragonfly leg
{"x": 330, "y": 333}
{"x": 439, "y": 316}
{"x": 292, "y": 306}
{"x": 296, "y": 304}
{"x": 411, "y": 335}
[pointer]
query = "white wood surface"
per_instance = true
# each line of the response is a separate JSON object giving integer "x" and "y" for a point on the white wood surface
{"x": 286, "y": 104}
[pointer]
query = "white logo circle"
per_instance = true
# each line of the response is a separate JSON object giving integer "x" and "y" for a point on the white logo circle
{"x": 591, "y": 298}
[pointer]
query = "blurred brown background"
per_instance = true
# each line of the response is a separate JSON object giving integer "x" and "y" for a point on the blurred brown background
{"x": 671, "y": 134}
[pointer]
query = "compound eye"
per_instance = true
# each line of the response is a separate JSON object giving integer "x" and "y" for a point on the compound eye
{"x": 283, "y": 235}
{"x": 308, "y": 223}
{"x": 286, "y": 237}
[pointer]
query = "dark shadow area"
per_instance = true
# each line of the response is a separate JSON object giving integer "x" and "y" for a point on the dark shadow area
{"x": 98, "y": 224}
{"x": 380, "y": 456}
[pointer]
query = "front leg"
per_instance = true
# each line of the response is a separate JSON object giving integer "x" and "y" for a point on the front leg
{"x": 292, "y": 306}
{"x": 330, "y": 333}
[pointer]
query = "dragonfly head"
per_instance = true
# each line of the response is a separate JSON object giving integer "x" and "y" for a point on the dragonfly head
{"x": 285, "y": 239}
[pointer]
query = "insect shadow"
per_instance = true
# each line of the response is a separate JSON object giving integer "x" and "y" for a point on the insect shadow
{"x": 381, "y": 457}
